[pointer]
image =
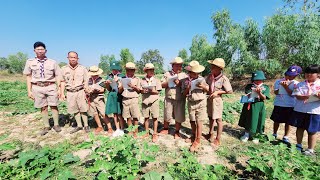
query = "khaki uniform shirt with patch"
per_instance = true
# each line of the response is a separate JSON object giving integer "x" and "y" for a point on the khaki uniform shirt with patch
{"x": 156, "y": 85}
{"x": 130, "y": 93}
{"x": 174, "y": 93}
{"x": 221, "y": 84}
{"x": 76, "y": 77}
{"x": 198, "y": 94}
{"x": 51, "y": 70}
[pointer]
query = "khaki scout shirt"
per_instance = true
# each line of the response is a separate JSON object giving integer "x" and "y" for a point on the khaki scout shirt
{"x": 76, "y": 77}
{"x": 94, "y": 84}
{"x": 130, "y": 93}
{"x": 51, "y": 70}
{"x": 174, "y": 93}
{"x": 220, "y": 84}
{"x": 196, "y": 94}
{"x": 156, "y": 85}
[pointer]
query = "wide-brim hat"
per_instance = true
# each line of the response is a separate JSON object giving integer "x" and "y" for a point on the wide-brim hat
{"x": 177, "y": 60}
{"x": 130, "y": 65}
{"x": 148, "y": 66}
{"x": 95, "y": 70}
{"x": 293, "y": 71}
{"x": 258, "y": 75}
{"x": 115, "y": 65}
{"x": 218, "y": 62}
{"x": 191, "y": 63}
{"x": 197, "y": 68}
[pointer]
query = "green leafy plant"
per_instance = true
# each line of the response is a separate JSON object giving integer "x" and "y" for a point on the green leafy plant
{"x": 120, "y": 158}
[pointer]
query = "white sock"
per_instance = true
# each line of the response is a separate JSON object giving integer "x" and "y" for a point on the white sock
{"x": 285, "y": 137}
{"x": 246, "y": 134}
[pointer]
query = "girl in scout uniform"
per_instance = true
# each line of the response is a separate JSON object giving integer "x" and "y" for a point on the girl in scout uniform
{"x": 284, "y": 101}
{"x": 306, "y": 114}
{"x": 96, "y": 96}
{"x": 130, "y": 89}
{"x": 174, "y": 102}
{"x": 253, "y": 114}
{"x": 114, "y": 99}
{"x": 151, "y": 86}
{"x": 219, "y": 84}
{"x": 196, "y": 91}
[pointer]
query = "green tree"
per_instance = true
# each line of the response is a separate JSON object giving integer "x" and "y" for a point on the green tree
{"x": 4, "y": 64}
{"x": 151, "y": 56}
{"x": 184, "y": 55}
{"x": 304, "y": 7}
{"x": 105, "y": 62}
{"x": 61, "y": 64}
{"x": 125, "y": 57}
{"x": 17, "y": 62}
{"x": 252, "y": 37}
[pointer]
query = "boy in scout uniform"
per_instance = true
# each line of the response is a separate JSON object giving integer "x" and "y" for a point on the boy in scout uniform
{"x": 114, "y": 100}
{"x": 96, "y": 96}
{"x": 195, "y": 91}
{"x": 130, "y": 93}
{"x": 219, "y": 84}
{"x": 150, "y": 99}
{"x": 174, "y": 102}
{"x": 75, "y": 81}
{"x": 42, "y": 75}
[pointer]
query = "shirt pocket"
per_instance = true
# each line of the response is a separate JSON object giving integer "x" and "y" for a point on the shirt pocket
{"x": 48, "y": 71}
{"x": 35, "y": 71}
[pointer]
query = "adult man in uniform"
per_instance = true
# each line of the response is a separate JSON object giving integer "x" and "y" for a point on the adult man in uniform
{"x": 75, "y": 80}
{"x": 174, "y": 102}
{"x": 42, "y": 75}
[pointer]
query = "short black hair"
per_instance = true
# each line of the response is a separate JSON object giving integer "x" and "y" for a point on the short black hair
{"x": 312, "y": 69}
{"x": 73, "y": 52}
{"x": 38, "y": 44}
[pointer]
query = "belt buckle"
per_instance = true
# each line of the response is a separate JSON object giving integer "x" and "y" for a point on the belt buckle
{"x": 41, "y": 84}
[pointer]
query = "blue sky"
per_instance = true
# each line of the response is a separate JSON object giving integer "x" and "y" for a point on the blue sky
{"x": 105, "y": 27}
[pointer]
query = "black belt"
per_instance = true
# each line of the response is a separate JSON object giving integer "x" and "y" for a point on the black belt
{"x": 74, "y": 90}
{"x": 42, "y": 84}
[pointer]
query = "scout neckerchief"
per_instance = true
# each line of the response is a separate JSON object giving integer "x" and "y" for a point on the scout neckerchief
{"x": 73, "y": 72}
{"x": 254, "y": 86}
{"x": 41, "y": 61}
{"x": 213, "y": 81}
{"x": 149, "y": 80}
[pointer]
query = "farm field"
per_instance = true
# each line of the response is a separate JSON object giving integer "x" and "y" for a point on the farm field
{"x": 26, "y": 155}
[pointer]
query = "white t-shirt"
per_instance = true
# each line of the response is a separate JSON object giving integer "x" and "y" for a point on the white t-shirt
{"x": 305, "y": 106}
{"x": 285, "y": 100}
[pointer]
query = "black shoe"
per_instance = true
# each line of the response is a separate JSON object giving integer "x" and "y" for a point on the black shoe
{"x": 76, "y": 130}
{"x": 57, "y": 128}
{"x": 45, "y": 131}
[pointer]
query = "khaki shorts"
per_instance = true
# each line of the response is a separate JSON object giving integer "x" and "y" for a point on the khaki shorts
{"x": 45, "y": 96}
{"x": 151, "y": 110}
{"x": 76, "y": 102}
{"x": 97, "y": 106}
{"x": 197, "y": 110}
{"x": 215, "y": 108}
{"x": 174, "y": 109}
{"x": 130, "y": 108}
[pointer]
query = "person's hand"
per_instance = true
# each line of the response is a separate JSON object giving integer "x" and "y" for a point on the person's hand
{"x": 258, "y": 90}
{"x": 30, "y": 95}
{"x": 131, "y": 85}
{"x": 116, "y": 78}
{"x": 201, "y": 85}
{"x": 145, "y": 90}
{"x": 285, "y": 84}
{"x": 304, "y": 98}
{"x": 318, "y": 94}
{"x": 214, "y": 95}
{"x": 108, "y": 82}
{"x": 176, "y": 81}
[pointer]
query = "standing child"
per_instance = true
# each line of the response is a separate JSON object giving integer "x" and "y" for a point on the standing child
{"x": 219, "y": 85}
{"x": 253, "y": 114}
{"x": 284, "y": 101}
{"x": 96, "y": 96}
{"x": 130, "y": 89}
{"x": 306, "y": 114}
{"x": 151, "y": 86}
{"x": 114, "y": 99}
{"x": 196, "y": 91}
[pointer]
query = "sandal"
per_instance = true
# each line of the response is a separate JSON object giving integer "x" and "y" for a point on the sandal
{"x": 154, "y": 138}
